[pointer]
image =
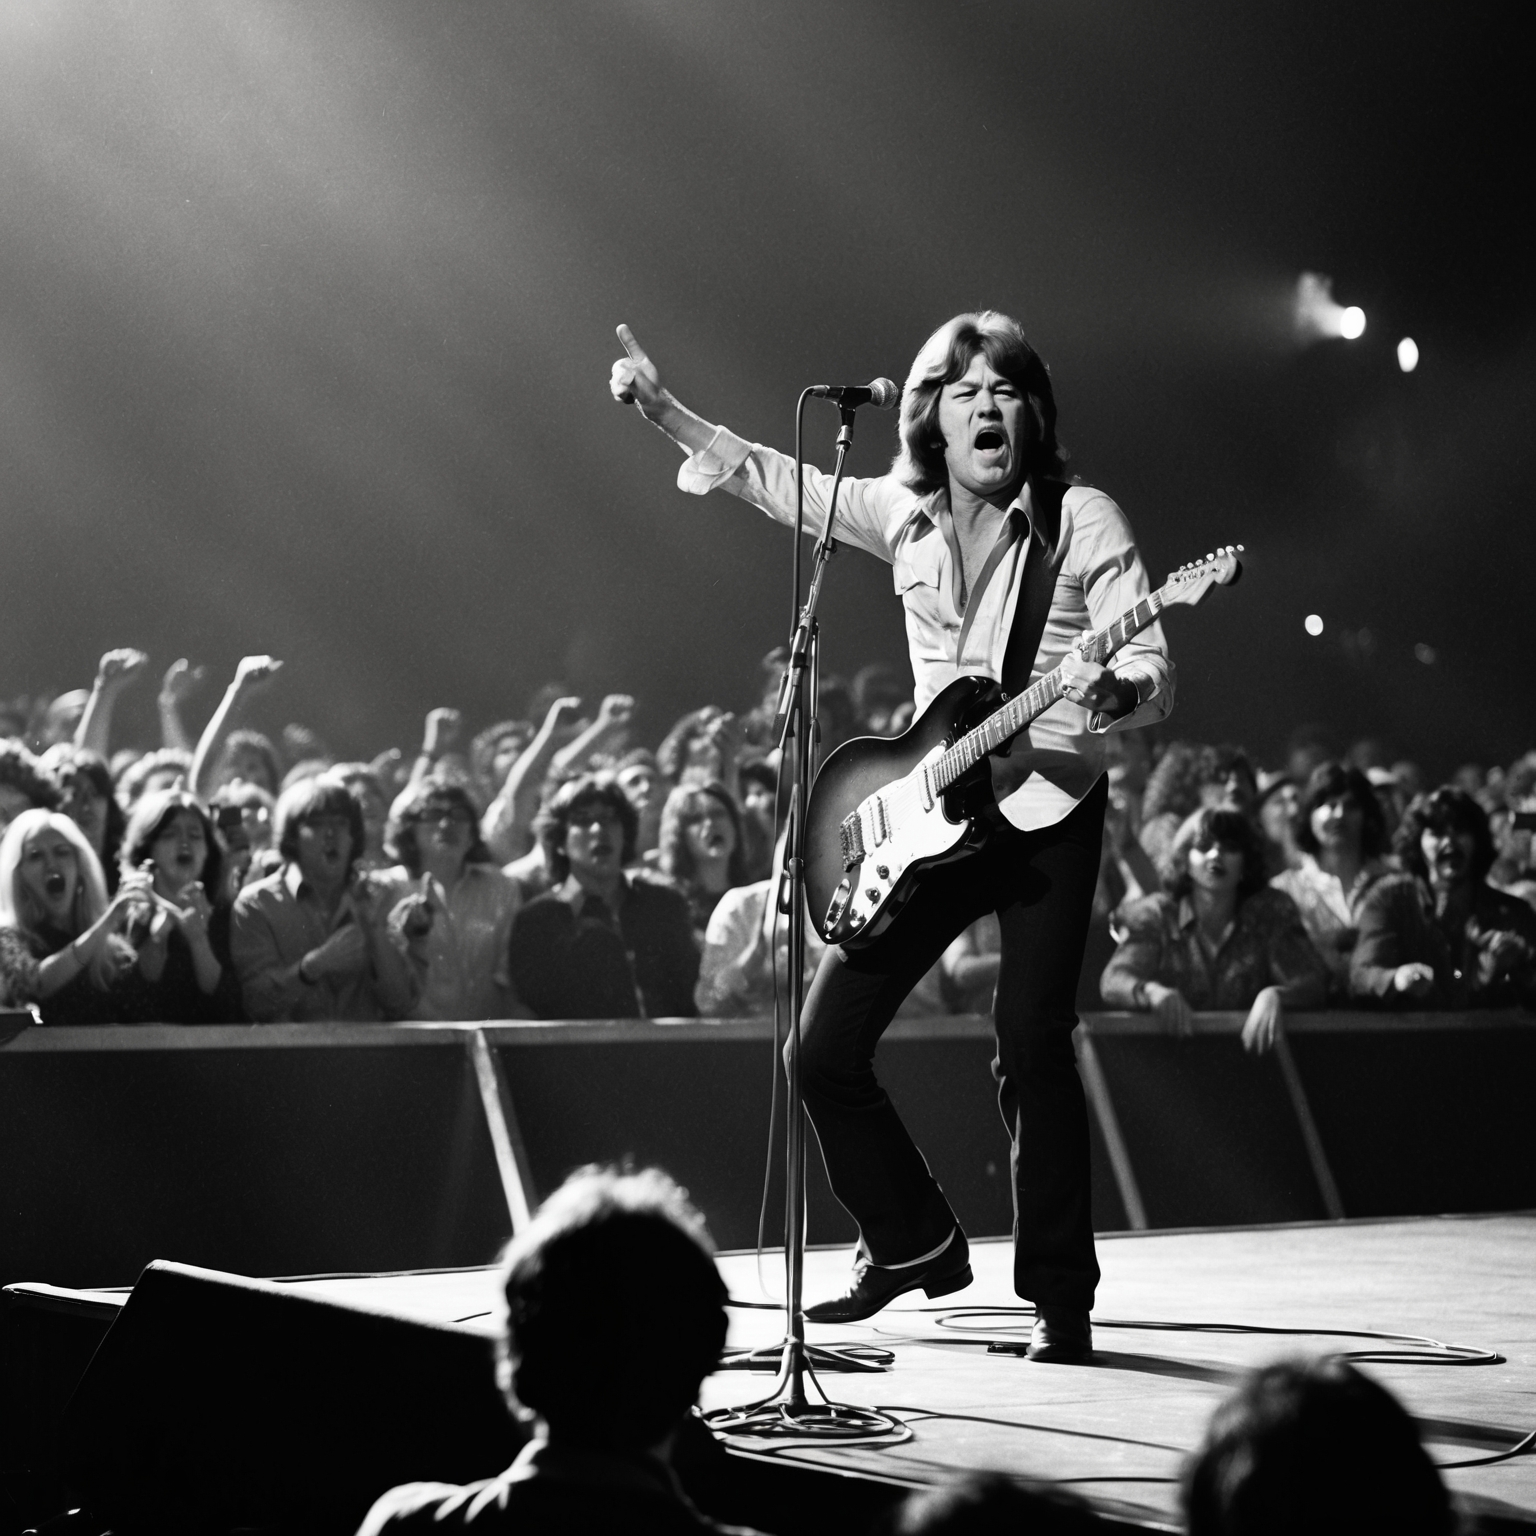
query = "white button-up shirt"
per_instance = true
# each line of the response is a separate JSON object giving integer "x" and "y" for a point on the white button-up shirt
{"x": 1101, "y": 576}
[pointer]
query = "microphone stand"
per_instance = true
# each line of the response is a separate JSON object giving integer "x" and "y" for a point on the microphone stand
{"x": 788, "y": 1412}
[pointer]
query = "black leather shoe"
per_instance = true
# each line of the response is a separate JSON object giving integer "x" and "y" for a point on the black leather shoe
{"x": 1061, "y": 1336}
{"x": 873, "y": 1287}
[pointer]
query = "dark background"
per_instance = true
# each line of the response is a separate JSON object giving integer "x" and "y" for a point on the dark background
{"x": 306, "y": 313}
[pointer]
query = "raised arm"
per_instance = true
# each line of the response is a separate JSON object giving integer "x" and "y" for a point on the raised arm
{"x": 439, "y": 735}
{"x": 253, "y": 673}
{"x": 611, "y": 726}
{"x": 510, "y": 815}
{"x": 180, "y": 682}
{"x": 636, "y": 381}
{"x": 113, "y": 673}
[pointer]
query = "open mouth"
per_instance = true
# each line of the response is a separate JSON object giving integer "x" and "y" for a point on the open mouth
{"x": 989, "y": 440}
{"x": 53, "y": 883}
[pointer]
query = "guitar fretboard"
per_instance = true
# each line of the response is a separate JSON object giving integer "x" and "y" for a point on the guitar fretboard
{"x": 1039, "y": 696}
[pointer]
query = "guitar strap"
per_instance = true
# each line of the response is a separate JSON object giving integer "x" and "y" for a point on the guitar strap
{"x": 1041, "y": 566}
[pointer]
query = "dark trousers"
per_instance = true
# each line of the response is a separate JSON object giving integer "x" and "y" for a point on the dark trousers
{"x": 1041, "y": 886}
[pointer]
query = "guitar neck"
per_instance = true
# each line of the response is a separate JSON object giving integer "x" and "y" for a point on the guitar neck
{"x": 1007, "y": 722}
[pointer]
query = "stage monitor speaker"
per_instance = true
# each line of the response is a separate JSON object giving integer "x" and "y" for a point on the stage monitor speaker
{"x": 218, "y": 1403}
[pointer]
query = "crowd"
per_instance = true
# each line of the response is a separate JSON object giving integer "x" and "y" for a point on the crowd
{"x": 552, "y": 867}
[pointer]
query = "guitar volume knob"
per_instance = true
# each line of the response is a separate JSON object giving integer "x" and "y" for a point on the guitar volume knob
{"x": 883, "y": 871}
{"x": 873, "y": 894}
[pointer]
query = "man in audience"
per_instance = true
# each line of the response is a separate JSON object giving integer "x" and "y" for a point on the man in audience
{"x": 603, "y": 943}
{"x": 310, "y": 942}
{"x": 1313, "y": 1446}
{"x": 608, "y": 1371}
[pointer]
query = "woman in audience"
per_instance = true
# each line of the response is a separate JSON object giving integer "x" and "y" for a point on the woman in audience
{"x": 85, "y": 784}
{"x": 1438, "y": 935}
{"x": 1340, "y": 836}
{"x": 700, "y": 847}
{"x": 184, "y": 973}
{"x": 1221, "y": 940}
{"x": 61, "y": 936}
{"x": 458, "y": 930}
{"x": 1275, "y": 811}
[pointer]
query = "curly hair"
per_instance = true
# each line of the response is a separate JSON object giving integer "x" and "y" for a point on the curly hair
{"x": 1336, "y": 781}
{"x": 21, "y": 771}
{"x": 672, "y": 754}
{"x": 131, "y": 781}
{"x": 1447, "y": 809}
{"x": 945, "y": 357}
{"x": 1231, "y": 829}
{"x": 1174, "y": 785}
{"x": 414, "y": 805}
{"x": 672, "y": 841}
{"x": 153, "y": 814}
{"x": 582, "y": 793}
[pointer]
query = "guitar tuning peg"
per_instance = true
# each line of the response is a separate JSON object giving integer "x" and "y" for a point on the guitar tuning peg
{"x": 1239, "y": 549}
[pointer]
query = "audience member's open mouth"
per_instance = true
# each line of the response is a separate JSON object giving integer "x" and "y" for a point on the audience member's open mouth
{"x": 53, "y": 883}
{"x": 602, "y": 850}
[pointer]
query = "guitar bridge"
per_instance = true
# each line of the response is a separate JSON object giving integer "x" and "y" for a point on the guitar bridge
{"x": 852, "y": 833}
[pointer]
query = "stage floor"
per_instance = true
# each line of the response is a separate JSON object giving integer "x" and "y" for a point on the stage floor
{"x": 1116, "y": 1431}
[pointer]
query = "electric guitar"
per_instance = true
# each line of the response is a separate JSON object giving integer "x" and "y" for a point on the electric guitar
{"x": 883, "y": 811}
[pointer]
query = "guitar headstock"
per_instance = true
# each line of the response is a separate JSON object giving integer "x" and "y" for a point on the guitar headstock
{"x": 1191, "y": 582}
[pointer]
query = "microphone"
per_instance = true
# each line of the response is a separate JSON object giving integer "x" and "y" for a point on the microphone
{"x": 878, "y": 392}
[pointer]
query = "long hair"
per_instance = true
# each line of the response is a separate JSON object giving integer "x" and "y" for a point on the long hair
{"x": 672, "y": 840}
{"x": 150, "y": 818}
{"x": 1446, "y": 809}
{"x": 18, "y": 908}
{"x": 1336, "y": 781}
{"x": 945, "y": 357}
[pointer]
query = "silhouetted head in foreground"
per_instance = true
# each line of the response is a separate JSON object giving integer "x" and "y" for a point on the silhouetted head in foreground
{"x": 989, "y": 1504}
{"x": 1313, "y": 1446}
{"x": 615, "y": 1311}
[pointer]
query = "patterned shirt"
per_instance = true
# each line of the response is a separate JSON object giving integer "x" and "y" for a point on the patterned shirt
{"x": 1329, "y": 913}
{"x": 1100, "y": 577}
{"x": 1266, "y": 946}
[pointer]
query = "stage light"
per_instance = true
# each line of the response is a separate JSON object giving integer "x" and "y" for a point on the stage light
{"x": 1425, "y": 653}
{"x": 1317, "y": 316}
{"x": 1407, "y": 354}
{"x": 1313, "y": 623}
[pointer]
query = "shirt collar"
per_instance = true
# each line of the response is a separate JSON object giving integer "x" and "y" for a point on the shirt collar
{"x": 935, "y": 507}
